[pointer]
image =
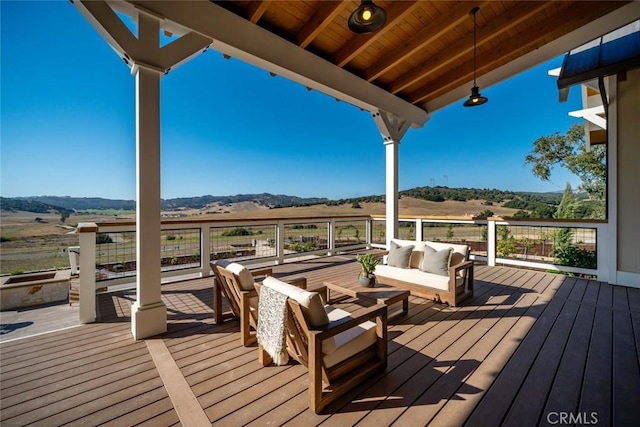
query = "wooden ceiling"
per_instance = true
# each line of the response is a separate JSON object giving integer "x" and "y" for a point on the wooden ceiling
{"x": 426, "y": 47}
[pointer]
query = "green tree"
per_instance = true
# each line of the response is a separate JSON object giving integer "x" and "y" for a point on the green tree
{"x": 486, "y": 213}
{"x": 566, "y": 209}
{"x": 64, "y": 215}
{"x": 570, "y": 151}
{"x": 450, "y": 232}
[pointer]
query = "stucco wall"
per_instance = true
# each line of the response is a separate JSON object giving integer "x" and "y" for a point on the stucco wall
{"x": 629, "y": 173}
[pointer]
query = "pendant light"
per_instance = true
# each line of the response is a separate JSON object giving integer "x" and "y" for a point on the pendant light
{"x": 475, "y": 99}
{"x": 367, "y": 18}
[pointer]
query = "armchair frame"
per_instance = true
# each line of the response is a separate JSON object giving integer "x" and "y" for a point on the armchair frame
{"x": 304, "y": 344}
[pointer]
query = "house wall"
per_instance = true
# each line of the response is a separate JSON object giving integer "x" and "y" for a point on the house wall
{"x": 628, "y": 174}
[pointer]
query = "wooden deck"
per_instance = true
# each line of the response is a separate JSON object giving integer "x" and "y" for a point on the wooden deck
{"x": 528, "y": 347}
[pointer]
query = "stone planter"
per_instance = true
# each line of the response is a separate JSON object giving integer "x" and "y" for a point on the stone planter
{"x": 25, "y": 290}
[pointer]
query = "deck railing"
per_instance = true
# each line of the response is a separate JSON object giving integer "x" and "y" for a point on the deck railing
{"x": 108, "y": 250}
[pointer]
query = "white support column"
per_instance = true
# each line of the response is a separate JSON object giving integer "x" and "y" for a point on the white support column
{"x": 391, "y": 171}
{"x": 392, "y": 129}
{"x": 611, "y": 237}
{"x": 87, "y": 232}
{"x": 491, "y": 243}
{"x": 148, "y": 313}
{"x": 205, "y": 250}
{"x": 149, "y": 62}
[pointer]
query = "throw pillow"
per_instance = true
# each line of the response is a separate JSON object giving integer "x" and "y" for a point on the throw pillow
{"x": 436, "y": 262}
{"x": 399, "y": 255}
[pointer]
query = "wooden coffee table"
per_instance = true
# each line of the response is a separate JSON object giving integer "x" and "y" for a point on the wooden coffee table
{"x": 381, "y": 293}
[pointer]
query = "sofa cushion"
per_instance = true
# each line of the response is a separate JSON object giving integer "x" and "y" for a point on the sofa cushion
{"x": 310, "y": 302}
{"x": 399, "y": 255}
{"x": 418, "y": 251}
{"x": 458, "y": 254}
{"x": 415, "y": 276}
{"x": 244, "y": 275}
{"x": 347, "y": 343}
{"x": 436, "y": 261}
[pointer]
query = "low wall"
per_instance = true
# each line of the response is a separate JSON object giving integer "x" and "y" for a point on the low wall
{"x": 27, "y": 290}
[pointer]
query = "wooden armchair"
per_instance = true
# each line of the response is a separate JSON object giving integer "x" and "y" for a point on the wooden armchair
{"x": 237, "y": 284}
{"x": 340, "y": 349}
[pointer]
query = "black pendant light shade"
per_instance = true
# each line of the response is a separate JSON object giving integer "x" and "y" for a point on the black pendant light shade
{"x": 475, "y": 99}
{"x": 367, "y": 18}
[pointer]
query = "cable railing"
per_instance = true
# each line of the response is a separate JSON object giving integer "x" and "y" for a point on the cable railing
{"x": 187, "y": 246}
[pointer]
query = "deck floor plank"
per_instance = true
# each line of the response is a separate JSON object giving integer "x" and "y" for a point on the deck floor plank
{"x": 528, "y": 343}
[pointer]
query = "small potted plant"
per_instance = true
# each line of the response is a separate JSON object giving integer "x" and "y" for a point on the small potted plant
{"x": 368, "y": 263}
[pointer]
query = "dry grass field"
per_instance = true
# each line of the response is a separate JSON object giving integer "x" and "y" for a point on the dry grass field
{"x": 28, "y": 245}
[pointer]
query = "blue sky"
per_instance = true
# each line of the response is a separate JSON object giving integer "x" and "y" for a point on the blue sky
{"x": 67, "y": 125}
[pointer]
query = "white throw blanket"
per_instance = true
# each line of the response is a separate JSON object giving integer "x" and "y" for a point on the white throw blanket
{"x": 272, "y": 324}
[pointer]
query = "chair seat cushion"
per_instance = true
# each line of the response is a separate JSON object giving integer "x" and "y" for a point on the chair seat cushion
{"x": 348, "y": 343}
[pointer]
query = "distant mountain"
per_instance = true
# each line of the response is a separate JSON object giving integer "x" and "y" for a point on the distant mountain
{"x": 10, "y": 204}
{"x": 43, "y": 204}
{"x": 265, "y": 199}
{"x": 82, "y": 203}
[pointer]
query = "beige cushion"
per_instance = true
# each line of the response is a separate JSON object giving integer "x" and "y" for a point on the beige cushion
{"x": 458, "y": 254}
{"x": 416, "y": 256}
{"x": 347, "y": 343}
{"x": 310, "y": 302}
{"x": 399, "y": 255}
{"x": 244, "y": 275}
{"x": 436, "y": 261}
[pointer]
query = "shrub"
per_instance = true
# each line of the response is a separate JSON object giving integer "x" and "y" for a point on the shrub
{"x": 576, "y": 257}
{"x": 103, "y": 238}
{"x": 238, "y": 231}
{"x": 171, "y": 237}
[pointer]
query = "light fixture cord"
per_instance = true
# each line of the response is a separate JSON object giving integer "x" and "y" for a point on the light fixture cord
{"x": 475, "y": 66}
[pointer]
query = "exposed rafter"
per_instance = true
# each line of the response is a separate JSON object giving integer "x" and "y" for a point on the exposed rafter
{"x": 493, "y": 30}
{"x": 257, "y": 9}
{"x": 327, "y": 11}
{"x": 458, "y": 15}
{"x": 532, "y": 38}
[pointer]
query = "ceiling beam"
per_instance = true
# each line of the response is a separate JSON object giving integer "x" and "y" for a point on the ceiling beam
{"x": 514, "y": 16}
{"x": 581, "y": 13}
{"x": 396, "y": 13}
{"x": 451, "y": 19}
{"x": 327, "y": 11}
{"x": 237, "y": 37}
{"x": 257, "y": 9}
{"x": 588, "y": 31}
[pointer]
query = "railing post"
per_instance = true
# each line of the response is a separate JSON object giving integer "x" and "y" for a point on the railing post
{"x": 205, "y": 249}
{"x": 369, "y": 232}
{"x": 331, "y": 231}
{"x": 87, "y": 232}
{"x": 419, "y": 230}
{"x": 491, "y": 242}
{"x": 280, "y": 242}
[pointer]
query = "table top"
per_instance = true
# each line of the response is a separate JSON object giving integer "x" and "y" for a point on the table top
{"x": 380, "y": 292}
